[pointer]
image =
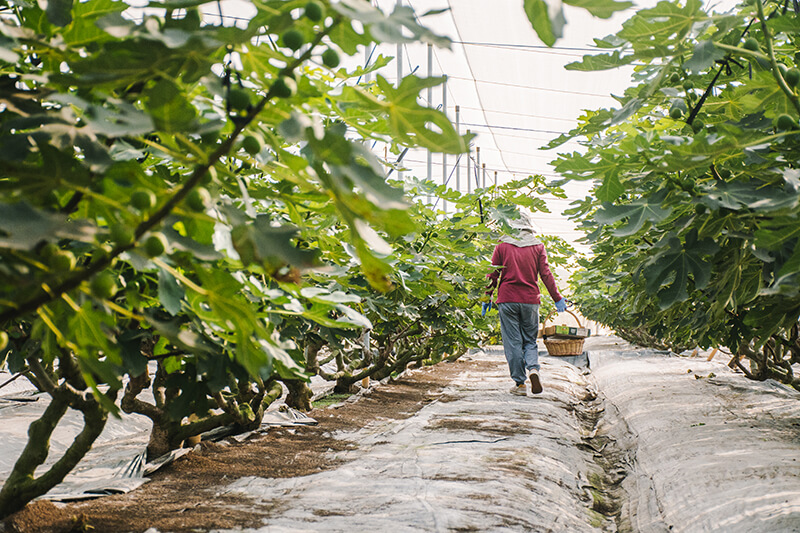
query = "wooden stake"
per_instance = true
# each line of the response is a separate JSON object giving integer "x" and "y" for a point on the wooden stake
{"x": 712, "y": 354}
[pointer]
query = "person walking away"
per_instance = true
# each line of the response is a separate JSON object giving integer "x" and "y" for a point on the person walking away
{"x": 520, "y": 260}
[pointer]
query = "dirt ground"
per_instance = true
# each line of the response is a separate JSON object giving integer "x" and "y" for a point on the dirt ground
{"x": 183, "y": 496}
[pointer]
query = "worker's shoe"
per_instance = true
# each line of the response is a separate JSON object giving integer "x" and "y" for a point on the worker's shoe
{"x": 536, "y": 384}
{"x": 519, "y": 390}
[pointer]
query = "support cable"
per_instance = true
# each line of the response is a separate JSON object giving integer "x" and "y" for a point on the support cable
{"x": 477, "y": 91}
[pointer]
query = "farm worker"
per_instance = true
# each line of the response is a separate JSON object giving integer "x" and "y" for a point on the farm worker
{"x": 521, "y": 259}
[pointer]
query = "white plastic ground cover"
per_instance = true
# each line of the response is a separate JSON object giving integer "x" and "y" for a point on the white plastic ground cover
{"x": 478, "y": 459}
{"x": 719, "y": 453}
{"x": 116, "y": 462}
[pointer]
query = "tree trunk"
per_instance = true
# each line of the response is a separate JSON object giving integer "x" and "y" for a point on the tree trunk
{"x": 21, "y": 485}
{"x": 299, "y": 396}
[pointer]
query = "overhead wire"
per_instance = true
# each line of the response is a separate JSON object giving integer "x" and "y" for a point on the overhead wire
{"x": 530, "y": 87}
{"x": 474, "y": 79}
{"x": 516, "y": 114}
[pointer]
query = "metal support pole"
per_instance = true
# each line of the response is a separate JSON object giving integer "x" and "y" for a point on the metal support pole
{"x": 458, "y": 160}
{"x": 366, "y": 63}
{"x": 469, "y": 167}
{"x": 430, "y": 104}
{"x": 368, "y": 75}
{"x": 483, "y": 168}
{"x": 495, "y": 184}
{"x": 444, "y": 155}
{"x": 399, "y": 60}
{"x": 478, "y": 168}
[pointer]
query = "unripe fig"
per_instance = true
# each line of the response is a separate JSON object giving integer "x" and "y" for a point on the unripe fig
{"x": 751, "y": 43}
{"x": 62, "y": 260}
{"x": 792, "y": 77}
{"x": 121, "y": 233}
{"x": 104, "y": 285}
{"x": 238, "y": 98}
{"x": 198, "y": 199}
{"x": 252, "y": 144}
{"x": 155, "y": 245}
{"x": 143, "y": 199}
{"x": 284, "y": 87}
{"x": 293, "y": 40}
{"x": 786, "y": 122}
{"x": 330, "y": 58}
{"x": 313, "y": 11}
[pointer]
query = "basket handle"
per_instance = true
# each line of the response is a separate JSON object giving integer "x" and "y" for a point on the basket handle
{"x": 578, "y": 320}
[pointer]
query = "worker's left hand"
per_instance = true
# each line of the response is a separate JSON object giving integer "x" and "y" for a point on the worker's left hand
{"x": 485, "y": 306}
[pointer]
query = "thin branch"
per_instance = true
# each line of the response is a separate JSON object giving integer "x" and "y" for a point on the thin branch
{"x": 776, "y": 72}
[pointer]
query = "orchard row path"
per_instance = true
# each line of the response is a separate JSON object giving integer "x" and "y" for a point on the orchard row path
{"x": 635, "y": 440}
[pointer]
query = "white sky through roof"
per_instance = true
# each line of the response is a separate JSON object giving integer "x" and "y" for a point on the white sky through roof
{"x": 511, "y": 90}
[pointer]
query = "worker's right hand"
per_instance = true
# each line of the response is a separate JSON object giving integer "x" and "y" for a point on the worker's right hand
{"x": 561, "y": 305}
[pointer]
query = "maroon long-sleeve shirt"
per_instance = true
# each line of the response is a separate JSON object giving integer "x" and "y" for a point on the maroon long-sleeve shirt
{"x": 523, "y": 267}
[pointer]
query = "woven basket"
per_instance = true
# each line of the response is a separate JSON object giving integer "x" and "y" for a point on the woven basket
{"x": 559, "y": 346}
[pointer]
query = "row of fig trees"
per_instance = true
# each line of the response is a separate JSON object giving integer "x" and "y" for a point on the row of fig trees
{"x": 694, "y": 220}
{"x": 191, "y": 220}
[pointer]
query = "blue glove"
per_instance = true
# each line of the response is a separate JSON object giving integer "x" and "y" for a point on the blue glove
{"x": 485, "y": 306}
{"x": 561, "y": 305}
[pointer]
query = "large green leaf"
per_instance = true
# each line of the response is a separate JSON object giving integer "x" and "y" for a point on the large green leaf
{"x": 637, "y": 212}
{"x": 23, "y": 227}
{"x": 662, "y": 24}
{"x": 704, "y": 56}
{"x": 611, "y": 189}
{"x": 170, "y": 109}
{"x": 547, "y": 19}
{"x": 170, "y": 293}
{"x": 677, "y": 262}
{"x": 262, "y": 243}
{"x": 754, "y": 195}
{"x": 774, "y": 236}
{"x": 601, "y": 62}
{"x": 600, "y": 8}
{"x": 411, "y": 123}
{"x": 59, "y": 12}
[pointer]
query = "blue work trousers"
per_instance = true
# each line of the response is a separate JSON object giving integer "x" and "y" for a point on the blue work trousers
{"x": 519, "y": 325}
